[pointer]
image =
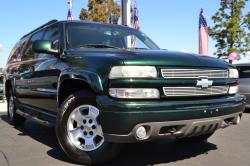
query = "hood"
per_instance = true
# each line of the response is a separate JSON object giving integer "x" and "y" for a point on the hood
{"x": 154, "y": 57}
{"x": 175, "y": 59}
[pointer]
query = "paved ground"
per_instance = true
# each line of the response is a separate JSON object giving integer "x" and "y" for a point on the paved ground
{"x": 36, "y": 145}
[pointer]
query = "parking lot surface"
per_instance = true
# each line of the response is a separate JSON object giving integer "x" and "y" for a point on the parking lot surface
{"x": 36, "y": 145}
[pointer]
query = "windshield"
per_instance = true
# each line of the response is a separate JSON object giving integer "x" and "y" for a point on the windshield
{"x": 90, "y": 35}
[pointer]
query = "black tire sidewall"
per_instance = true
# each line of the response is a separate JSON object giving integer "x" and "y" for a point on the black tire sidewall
{"x": 97, "y": 156}
{"x": 8, "y": 111}
{"x": 16, "y": 119}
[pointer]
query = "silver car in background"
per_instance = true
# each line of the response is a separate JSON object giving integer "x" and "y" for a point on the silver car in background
{"x": 244, "y": 81}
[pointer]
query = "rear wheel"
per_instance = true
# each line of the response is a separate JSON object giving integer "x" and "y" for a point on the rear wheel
{"x": 79, "y": 130}
{"x": 14, "y": 118}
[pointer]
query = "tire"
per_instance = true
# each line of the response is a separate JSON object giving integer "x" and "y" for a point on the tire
{"x": 78, "y": 117}
{"x": 200, "y": 138}
{"x": 14, "y": 118}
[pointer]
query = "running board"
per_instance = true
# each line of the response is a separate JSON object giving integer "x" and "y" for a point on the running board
{"x": 40, "y": 121}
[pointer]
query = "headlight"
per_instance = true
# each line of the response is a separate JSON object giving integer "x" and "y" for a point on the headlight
{"x": 233, "y": 73}
{"x": 133, "y": 72}
{"x": 233, "y": 89}
{"x": 134, "y": 93}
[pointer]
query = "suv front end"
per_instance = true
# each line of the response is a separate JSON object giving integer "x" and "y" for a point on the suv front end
{"x": 151, "y": 102}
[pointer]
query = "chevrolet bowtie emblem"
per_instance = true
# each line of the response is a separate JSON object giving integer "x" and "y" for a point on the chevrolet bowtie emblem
{"x": 204, "y": 83}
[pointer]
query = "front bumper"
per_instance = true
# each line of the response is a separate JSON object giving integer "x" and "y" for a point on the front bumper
{"x": 247, "y": 99}
{"x": 120, "y": 119}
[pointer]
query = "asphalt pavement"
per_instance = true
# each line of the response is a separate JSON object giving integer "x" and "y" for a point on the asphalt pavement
{"x": 36, "y": 145}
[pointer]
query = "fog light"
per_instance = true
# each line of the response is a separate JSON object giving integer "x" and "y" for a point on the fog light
{"x": 141, "y": 132}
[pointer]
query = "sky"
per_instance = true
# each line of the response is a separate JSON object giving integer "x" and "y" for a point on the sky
{"x": 172, "y": 24}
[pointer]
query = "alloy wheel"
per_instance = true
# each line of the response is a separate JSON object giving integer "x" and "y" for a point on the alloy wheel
{"x": 84, "y": 128}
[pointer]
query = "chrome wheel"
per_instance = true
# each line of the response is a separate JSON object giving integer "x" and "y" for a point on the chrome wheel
{"x": 11, "y": 107}
{"x": 84, "y": 128}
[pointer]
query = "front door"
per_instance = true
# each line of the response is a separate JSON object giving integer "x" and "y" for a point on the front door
{"x": 47, "y": 68}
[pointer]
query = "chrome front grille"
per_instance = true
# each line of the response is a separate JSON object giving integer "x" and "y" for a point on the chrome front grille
{"x": 194, "y": 73}
{"x": 195, "y": 91}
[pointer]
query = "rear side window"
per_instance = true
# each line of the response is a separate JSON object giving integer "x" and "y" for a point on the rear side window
{"x": 16, "y": 53}
{"x": 244, "y": 71}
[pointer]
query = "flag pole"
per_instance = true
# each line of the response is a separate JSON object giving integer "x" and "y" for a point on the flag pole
{"x": 126, "y": 13}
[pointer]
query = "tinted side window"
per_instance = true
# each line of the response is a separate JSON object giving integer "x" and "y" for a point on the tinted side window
{"x": 16, "y": 53}
{"x": 28, "y": 52}
{"x": 244, "y": 71}
{"x": 52, "y": 34}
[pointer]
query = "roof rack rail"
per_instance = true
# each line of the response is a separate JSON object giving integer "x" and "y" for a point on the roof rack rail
{"x": 42, "y": 26}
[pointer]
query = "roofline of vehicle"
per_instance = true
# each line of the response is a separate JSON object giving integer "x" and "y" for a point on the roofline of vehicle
{"x": 93, "y": 22}
{"x": 42, "y": 26}
{"x": 65, "y": 21}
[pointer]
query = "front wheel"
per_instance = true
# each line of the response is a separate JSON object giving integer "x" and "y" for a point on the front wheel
{"x": 79, "y": 130}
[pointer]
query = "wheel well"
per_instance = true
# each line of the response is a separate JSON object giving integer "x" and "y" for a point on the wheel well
{"x": 69, "y": 87}
{"x": 7, "y": 88}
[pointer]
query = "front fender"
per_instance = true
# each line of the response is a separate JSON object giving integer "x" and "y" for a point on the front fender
{"x": 91, "y": 78}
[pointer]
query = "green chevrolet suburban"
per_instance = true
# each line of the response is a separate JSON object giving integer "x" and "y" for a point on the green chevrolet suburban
{"x": 101, "y": 85}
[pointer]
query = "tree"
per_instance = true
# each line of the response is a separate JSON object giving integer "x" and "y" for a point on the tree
{"x": 230, "y": 29}
{"x": 105, "y": 11}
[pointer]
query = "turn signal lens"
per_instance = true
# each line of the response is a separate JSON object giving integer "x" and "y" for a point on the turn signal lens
{"x": 233, "y": 89}
{"x": 233, "y": 73}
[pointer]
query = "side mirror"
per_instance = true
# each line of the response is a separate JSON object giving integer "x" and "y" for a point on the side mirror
{"x": 44, "y": 46}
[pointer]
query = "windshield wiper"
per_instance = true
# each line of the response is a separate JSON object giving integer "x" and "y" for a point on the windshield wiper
{"x": 98, "y": 46}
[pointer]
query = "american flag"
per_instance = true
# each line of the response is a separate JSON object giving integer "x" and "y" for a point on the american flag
{"x": 203, "y": 34}
{"x": 70, "y": 17}
{"x": 136, "y": 17}
{"x": 136, "y": 24}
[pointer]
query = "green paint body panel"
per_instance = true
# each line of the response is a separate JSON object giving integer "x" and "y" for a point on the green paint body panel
{"x": 119, "y": 117}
